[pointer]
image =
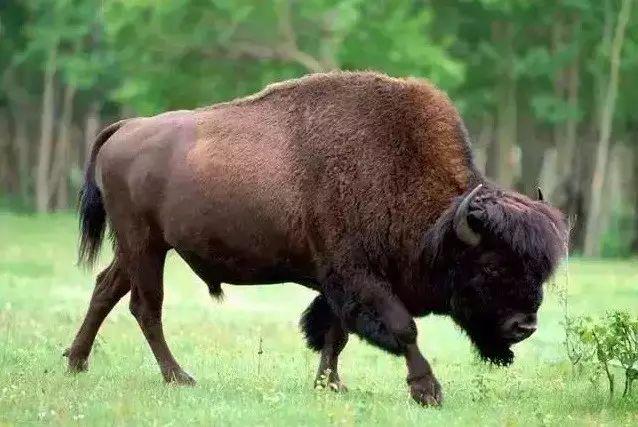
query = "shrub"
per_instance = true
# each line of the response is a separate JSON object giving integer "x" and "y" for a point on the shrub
{"x": 578, "y": 351}
{"x": 609, "y": 342}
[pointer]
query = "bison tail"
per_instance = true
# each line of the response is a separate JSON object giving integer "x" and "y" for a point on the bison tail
{"x": 315, "y": 322}
{"x": 91, "y": 206}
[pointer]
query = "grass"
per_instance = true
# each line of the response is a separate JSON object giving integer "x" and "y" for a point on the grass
{"x": 43, "y": 297}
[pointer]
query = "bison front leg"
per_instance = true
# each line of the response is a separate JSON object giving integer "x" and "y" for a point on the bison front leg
{"x": 369, "y": 308}
{"x": 424, "y": 386}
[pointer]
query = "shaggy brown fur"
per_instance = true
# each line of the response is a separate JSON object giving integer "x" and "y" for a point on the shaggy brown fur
{"x": 347, "y": 183}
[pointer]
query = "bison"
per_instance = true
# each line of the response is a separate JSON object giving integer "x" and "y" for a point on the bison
{"x": 357, "y": 185}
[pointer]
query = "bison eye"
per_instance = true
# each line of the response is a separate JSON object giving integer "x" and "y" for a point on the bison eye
{"x": 489, "y": 270}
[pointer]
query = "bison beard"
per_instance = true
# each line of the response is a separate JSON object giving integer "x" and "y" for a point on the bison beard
{"x": 490, "y": 347}
{"x": 496, "y": 352}
{"x": 357, "y": 185}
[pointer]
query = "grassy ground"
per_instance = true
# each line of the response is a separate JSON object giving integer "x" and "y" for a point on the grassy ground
{"x": 43, "y": 297}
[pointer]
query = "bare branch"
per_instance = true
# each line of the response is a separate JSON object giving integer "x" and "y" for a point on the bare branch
{"x": 285, "y": 25}
{"x": 287, "y": 50}
{"x": 284, "y": 53}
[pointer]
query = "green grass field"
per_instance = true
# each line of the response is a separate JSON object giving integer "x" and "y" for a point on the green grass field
{"x": 43, "y": 297}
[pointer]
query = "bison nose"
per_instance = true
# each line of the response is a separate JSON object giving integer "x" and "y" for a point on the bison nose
{"x": 520, "y": 326}
{"x": 524, "y": 330}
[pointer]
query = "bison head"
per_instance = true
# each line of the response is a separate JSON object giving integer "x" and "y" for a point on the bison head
{"x": 496, "y": 250}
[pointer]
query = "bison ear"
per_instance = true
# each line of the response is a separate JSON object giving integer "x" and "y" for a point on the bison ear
{"x": 539, "y": 197}
{"x": 465, "y": 222}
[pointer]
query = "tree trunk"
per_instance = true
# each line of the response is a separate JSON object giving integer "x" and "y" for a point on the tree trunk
{"x": 566, "y": 87}
{"x": 634, "y": 244}
{"x": 506, "y": 110}
{"x": 565, "y": 134}
{"x": 19, "y": 109}
{"x": 573, "y": 88}
{"x": 61, "y": 164}
{"x": 567, "y": 152}
{"x": 506, "y": 133}
{"x": 91, "y": 128}
{"x": 42, "y": 187}
{"x": 5, "y": 145}
{"x": 558, "y": 46}
{"x": 570, "y": 184}
{"x": 491, "y": 162}
{"x": 21, "y": 153}
{"x": 611, "y": 200}
{"x": 548, "y": 173}
{"x": 532, "y": 151}
{"x": 483, "y": 144}
{"x": 592, "y": 234}
{"x": 585, "y": 163}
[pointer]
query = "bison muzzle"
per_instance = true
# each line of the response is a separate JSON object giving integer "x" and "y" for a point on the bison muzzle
{"x": 357, "y": 185}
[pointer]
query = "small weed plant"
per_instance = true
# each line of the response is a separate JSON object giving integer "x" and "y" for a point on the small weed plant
{"x": 607, "y": 344}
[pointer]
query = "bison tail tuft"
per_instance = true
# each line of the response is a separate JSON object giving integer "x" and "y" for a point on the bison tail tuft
{"x": 92, "y": 223}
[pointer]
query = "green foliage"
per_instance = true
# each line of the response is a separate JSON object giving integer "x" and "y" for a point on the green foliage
{"x": 154, "y": 56}
{"x": 624, "y": 330}
{"x": 610, "y": 342}
{"x": 186, "y": 53}
{"x": 579, "y": 351}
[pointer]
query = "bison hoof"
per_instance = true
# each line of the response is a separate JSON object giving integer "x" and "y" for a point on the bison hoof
{"x": 75, "y": 363}
{"x": 179, "y": 378}
{"x": 427, "y": 391}
{"x": 78, "y": 365}
{"x": 330, "y": 380}
{"x": 336, "y": 386}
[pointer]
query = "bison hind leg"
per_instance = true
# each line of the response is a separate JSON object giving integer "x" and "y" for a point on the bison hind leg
{"x": 316, "y": 321}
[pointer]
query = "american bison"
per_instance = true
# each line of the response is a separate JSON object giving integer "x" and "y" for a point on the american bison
{"x": 357, "y": 185}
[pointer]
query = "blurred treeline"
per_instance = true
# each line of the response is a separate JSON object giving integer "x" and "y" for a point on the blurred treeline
{"x": 548, "y": 88}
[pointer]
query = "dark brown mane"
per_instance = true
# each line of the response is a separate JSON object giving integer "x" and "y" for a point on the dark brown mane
{"x": 533, "y": 230}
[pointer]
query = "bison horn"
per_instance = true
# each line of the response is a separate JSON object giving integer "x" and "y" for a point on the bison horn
{"x": 462, "y": 228}
{"x": 540, "y": 195}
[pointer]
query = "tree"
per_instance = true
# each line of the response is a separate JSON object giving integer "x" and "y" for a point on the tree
{"x": 592, "y": 244}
